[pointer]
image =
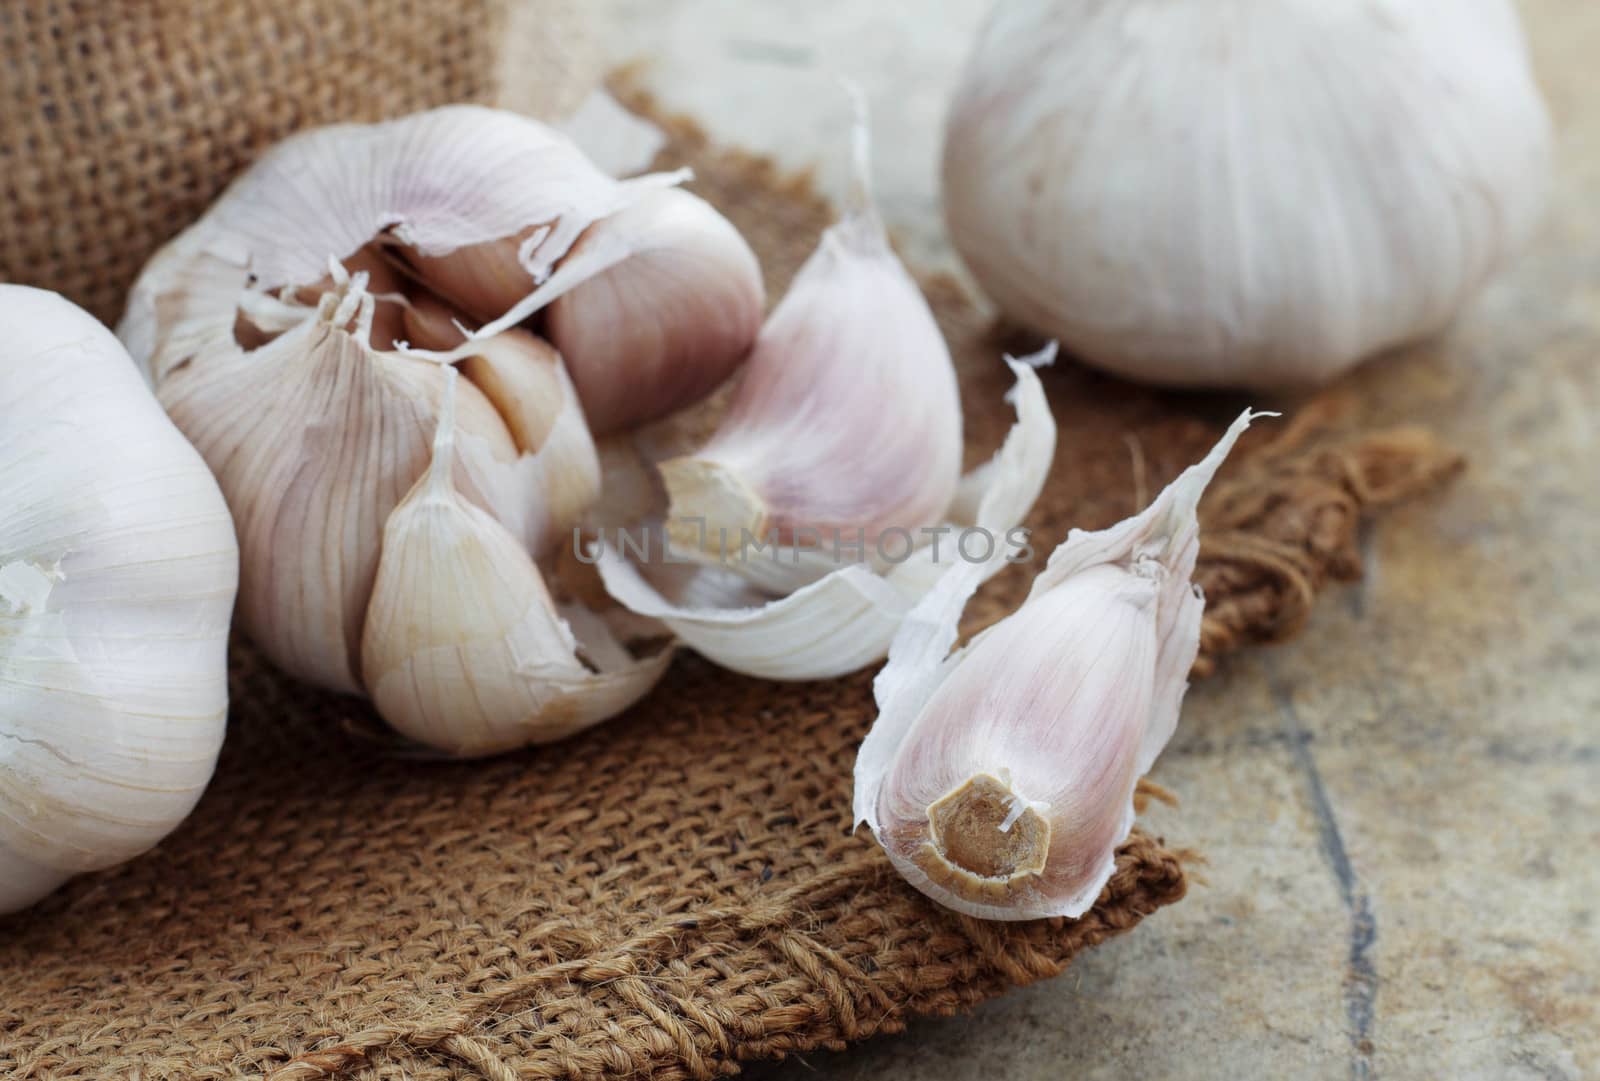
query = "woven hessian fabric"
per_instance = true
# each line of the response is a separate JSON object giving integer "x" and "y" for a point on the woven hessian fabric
{"x": 666, "y": 897}
{"x": 120, "y": 120}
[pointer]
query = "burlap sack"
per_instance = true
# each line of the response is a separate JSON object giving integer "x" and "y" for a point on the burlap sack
{"x": 121, "y": 119}
{"x": 666, "y": 897}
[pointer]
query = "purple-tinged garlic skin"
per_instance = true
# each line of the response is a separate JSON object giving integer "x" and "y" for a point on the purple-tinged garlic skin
{"x": 667, "y": 325}
{"x": 1040, "y": 763}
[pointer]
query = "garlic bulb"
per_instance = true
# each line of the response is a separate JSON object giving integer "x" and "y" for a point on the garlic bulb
{"x": 117, "y": 574}
{"x": 1249, "y": 192}
{"x": 279, "y": 330}
{"x": 1000, "y": 778}
{"x": 804, "y": 451}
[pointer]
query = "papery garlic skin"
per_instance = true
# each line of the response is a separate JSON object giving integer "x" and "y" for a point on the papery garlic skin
{"x": 667, "y": 325}
{"x": 1000, "y": 778}
{"x": 1245, "y": 193}
{"x": 118, "y": 568}
{"x": 805, "y": 450}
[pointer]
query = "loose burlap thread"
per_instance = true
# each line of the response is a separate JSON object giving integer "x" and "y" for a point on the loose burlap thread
{"x": 677, "y": 892}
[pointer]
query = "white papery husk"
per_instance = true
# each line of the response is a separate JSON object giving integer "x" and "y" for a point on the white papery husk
{"x": 846, "y": 618}
{"x": 1032, "y": 737}
{"x": 1244, "y": 192}
{"x": 117, "y": 575}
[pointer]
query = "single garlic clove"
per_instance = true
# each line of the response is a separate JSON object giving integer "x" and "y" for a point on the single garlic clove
{"x": 429, "y": 324}
{"x": 517, "y": 372}
{"x": 999, "y": 778}
{"x": 525, "y": 378}
{"x": 463, "y": 650}
{"x": 667, "y": 325}
{"x": 118, "y": 568}
{"x": 846, "y": 619}
{"x": 803, "y": 450}
{"x": 1017, "y": 781}
{"x": 521, "y": 374}
{"x": 484, "y": 279}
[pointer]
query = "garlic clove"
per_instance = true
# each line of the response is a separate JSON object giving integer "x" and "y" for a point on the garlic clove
{"x": 668, "y": 324}
{"x": 999, "y": 777}
{"x": 483, "y": 279}
{"x": 846, "y": 619}
{"x": 429, "y": 324}
{"x": 1004, "y": 803}
{"x": 118, "y": 568}
{"x": 559, "y": 466}
{"x": 544, "y": 474}
{"x": 463, "y": 649}
{"x": 522, "y": 376}
{"x": 803, "y": 447}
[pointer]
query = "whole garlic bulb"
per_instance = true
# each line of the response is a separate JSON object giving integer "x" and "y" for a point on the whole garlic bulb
{"x": 117, "y": 574}
{"x": 303, "y": 335}
{"x": 1245, "y": 192}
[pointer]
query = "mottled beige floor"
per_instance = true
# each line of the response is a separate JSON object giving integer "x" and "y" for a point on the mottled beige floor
{"x": 1404, "y": 859}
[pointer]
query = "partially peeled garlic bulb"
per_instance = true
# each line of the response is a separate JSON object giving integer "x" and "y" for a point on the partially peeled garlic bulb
{"x": 302, "y": 334}
{"x": 1243, "y": 192}
{"x": 806, "y": 451}
{"x": 1000, "y": 778}
{"x": 117, "y": 574}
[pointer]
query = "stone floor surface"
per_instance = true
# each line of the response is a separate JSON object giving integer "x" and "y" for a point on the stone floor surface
{"x": 1404, "y": 857}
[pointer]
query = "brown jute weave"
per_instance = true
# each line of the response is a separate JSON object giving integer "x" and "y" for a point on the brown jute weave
{"x": 663, "y": 898}
{"x": 121, "y": 119}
